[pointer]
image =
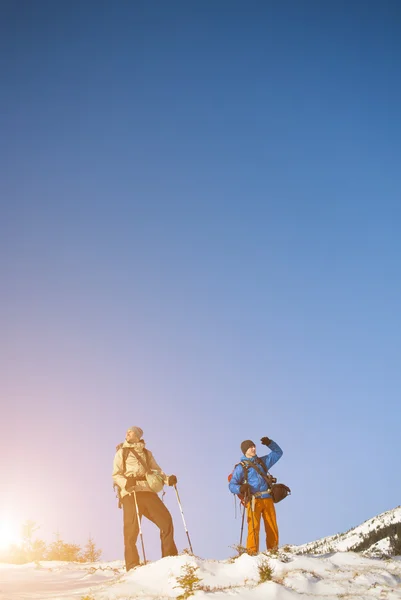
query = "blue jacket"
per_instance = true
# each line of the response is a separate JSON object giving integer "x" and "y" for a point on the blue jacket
{"x": 256, "y": 481}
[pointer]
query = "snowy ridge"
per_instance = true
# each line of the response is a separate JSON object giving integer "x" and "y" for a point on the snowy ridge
{"x": 377, "y": 527}
{"x": 291, "y": 577}
{"x": 322, "y": 569}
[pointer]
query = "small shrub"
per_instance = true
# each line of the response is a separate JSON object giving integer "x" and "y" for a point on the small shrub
{"x": 265, "y": 571}
{"x": 189, "y": 582}
{"x": 239, "y": 549}
{"x": 90, "y": 553}
{"x": 32, "y": 549}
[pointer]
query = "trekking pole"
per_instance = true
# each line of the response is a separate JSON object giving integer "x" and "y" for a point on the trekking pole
{"x": 242, "y": 525}
{"x": 140, "y": 528}
{"x": 253, "y": 521}
{"x": 183, "y": 519}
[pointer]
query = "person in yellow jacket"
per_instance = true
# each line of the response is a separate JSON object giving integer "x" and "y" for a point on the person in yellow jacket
{"x": 253, "y": 486}
{"x": 138, "y": 476}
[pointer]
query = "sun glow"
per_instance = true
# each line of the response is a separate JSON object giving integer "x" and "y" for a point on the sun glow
{"x": 9, "y": 535}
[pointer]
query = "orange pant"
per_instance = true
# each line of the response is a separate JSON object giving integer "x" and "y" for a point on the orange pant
{"x": 264, "y": 507}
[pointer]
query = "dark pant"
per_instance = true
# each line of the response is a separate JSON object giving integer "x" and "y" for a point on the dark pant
{"x": 151, "y": 507}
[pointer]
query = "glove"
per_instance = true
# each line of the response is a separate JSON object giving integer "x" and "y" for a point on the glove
{"x": 265, "y": 441}
{"x": 172, "y": 480}
{"x": 244, "y": 489}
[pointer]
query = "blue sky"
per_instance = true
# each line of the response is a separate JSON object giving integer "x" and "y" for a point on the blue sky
{"x": 200, "y": 235}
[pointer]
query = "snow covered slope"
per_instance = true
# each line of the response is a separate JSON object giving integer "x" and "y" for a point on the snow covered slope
{"x": 292, "y": 573}
{"x": 379, "y": 536}
{"x": 287, "y": 577}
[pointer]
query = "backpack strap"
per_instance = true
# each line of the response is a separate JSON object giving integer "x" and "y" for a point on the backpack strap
{"x": 125, "y": 454}
{"x": 127, "y": 450}
{"x": 245, "y": 469}
{"x": 260, "y": 468}
{"x": 265, "y": 469}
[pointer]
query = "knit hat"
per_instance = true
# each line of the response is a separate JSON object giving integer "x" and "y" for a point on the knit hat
{"x": 137, "y": 432}
{"x": 246, "y": 445}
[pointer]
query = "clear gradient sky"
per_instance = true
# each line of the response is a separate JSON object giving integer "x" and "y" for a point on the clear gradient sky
{"x": 200, "y": 234}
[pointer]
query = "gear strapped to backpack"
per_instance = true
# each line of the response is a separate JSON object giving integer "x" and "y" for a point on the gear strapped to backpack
{"x": 154, "y": 479}
{"x": 278, "y": 491}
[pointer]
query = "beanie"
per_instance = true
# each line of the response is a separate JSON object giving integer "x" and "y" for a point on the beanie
{"x": 246, "y": 445}
{"x": 137, "y": 432}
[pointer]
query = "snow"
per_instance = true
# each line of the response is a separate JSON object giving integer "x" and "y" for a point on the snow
{"x": 326, "y": 569}
{"x": 347, "y": 541}
{"x": 337, "y": 575}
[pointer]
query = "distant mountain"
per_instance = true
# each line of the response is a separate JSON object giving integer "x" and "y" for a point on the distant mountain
{"x": 379, "y": 536}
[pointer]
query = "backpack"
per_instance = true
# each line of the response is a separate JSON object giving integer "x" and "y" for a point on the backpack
{"x": 278, "y": 491}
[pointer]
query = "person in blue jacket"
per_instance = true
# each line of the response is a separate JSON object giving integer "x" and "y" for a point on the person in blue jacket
{"x": 253, "y": 486}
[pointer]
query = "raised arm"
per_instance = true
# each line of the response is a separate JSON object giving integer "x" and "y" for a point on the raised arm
{"x": 275, "y": 454}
